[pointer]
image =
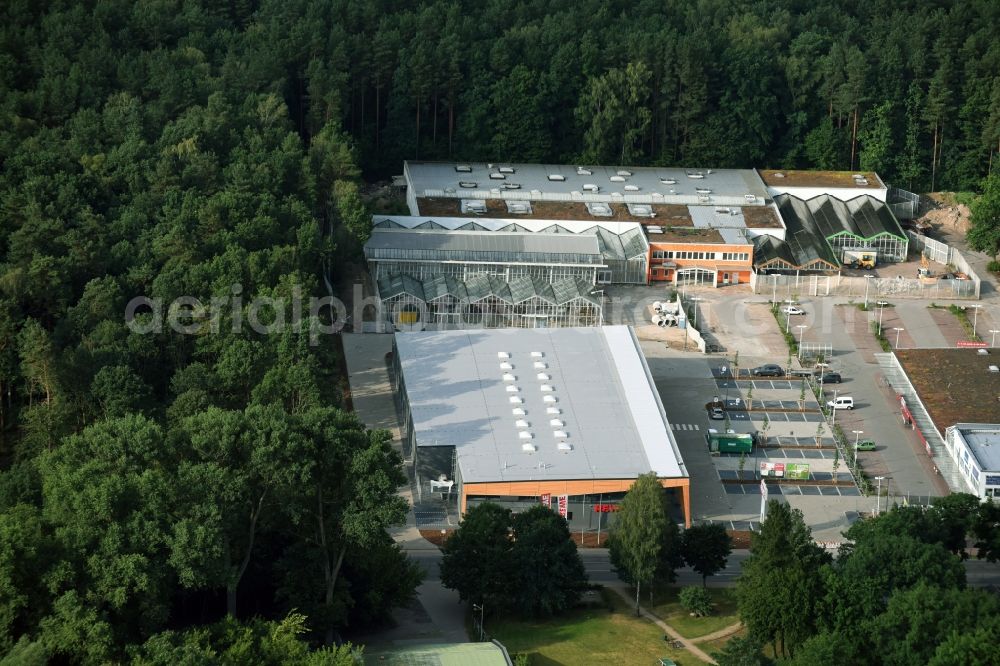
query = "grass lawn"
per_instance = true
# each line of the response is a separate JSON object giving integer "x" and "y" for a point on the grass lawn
{"x": 719, "y": 643}
{"x": 588, "y": 636}
{"x": 666, "y": 606}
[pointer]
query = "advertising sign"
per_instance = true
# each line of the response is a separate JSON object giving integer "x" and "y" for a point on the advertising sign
{"x": 546, "y": 499}
{"x": 564, "y": 505}
{"x": 970, "y": 343}
{"x": 606, "y": 508}
{"x": 772, "y": 469}
{"x": 797, "y": 471}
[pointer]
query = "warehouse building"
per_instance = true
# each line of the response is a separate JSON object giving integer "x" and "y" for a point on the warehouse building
{"x": 564, "y": 416}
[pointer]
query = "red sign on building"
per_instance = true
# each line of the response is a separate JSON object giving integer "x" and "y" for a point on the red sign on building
{"x": 970, "y": 343}
{"x": 564, "y": 505}
{"x": 606, "y": 508}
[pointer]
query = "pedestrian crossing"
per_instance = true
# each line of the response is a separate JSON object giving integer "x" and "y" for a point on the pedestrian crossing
{"x": 685, "y": 426}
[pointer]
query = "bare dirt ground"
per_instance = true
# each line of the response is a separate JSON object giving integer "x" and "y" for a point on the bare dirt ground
{"x": 948, "y": 218}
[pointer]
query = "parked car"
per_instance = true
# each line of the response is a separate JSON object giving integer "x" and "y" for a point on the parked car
{"x": 866, "y": 445}
{"x": 843, "y": 402}
{"x": 831, "y": 378}
{"x": 768, "y": 370}
{"x": 716, "y": 413}
{"x": 793, "y": 310}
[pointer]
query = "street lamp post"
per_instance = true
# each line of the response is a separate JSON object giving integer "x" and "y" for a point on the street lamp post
{"x": 975, "y": 317}
{"x": 881, "y": 307}
{"x": 802, "y": 328}
{"x": 788, "y": 318}
{"x": 898, "y": 331}
{"x": 833, "y": 410}
{"x": 479, "y": 607}
{"x": 857, "y": 437}
{"x": 993, "y": 338}
{"x": 878, "y": 495}
{"x": 868, "y": 279}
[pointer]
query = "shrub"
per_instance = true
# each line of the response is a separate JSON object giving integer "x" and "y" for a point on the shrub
{"x": 993, "y": 266}
{"x": 696, "y": 600}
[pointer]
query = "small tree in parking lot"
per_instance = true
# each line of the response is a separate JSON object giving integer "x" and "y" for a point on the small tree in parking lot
{"x": 765, "y": 426}
{"x": 802, "y": 394}
{"x": 743, "y": 463}
{"x": 750, "y": 399}
{"x": 821, "y": 428}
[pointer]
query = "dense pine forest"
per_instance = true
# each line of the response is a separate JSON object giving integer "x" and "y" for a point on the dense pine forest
{"x": 159, "y": 489}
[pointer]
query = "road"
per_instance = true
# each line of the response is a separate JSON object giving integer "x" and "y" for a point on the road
{"x": 978, "y": 573}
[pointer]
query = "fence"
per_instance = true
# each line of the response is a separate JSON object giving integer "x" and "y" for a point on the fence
{"x": 782, "y": 287}
{"x": 945, "y": 254}
{"x": 904, "y": 205}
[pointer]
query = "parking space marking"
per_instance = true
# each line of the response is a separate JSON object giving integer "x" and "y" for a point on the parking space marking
{"x": 685, "y": 426}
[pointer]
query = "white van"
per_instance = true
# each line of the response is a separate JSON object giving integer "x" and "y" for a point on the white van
{"x": 843, "y": 402}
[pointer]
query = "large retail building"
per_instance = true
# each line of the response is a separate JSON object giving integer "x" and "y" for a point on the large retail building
{"x": 565, "y": 416}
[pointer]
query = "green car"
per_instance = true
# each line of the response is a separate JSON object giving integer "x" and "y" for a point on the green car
{"x": 866, "y": 445}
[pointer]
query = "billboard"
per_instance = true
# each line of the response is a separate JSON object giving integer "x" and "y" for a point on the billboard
{"x": 797, "y": 471}
{"x": 772, "y": 469}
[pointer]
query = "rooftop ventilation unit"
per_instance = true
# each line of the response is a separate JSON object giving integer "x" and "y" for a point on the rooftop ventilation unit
{"x": 541, "y": 366}
{"x": 590, "y": 187}
{"x": 463, "y": 168}
{"x": 547, "y": 388}
{"x": 695, "y": 174}
{"x": 559, "y": 434}
{"x": 599, "y": 209}
{"x": 553, "y": 410}
{"x": 617, "y": 179}
{"x": 703, "y": 190}
{"x": 503, "y": 354}
{"x": 557, "y": 177}
{"x": 616, "y": 195}
{"x": 506, "y": 366}
{"x": 565, "y": 447}
{"x": 507, "y": 377}
{"x": 512, "y": 389}
{"x": 994, "y": 368}
{"x": 521, "y": 423}
{"x": 624, "y": 172}
{"x": 653, "y": 229}
{"x": 542, "y": 377}
{"x": 858, "y": 176}
{"x": 722, "y": 211}
{"x": 450, "y": 190}
{"x": 640, "y": 210}
{"x": 467, "y": 184}
{"x": 497, "y": 176}
{"x": 525, "y": 435}
{"x": 983, "y": 352}
{"x": 475, "y": 206}
{"x": 518, "y": 208}
{"x": 515, "y": 400}
{"x": 517, "y": 411}
{"x": 506, "y": 169}
{"x": 537, "y": 354}
{"x": 556, "y": 423}
{"x": 750, "y": 198}
{"x": 528, "y": 447}
{"x": 668, "y": 181}
{"x": 549, "y": 398}
{"x": 778, "y": 174}
{"x": 631, "y": 188}
{"x": 580, "y": 171}
{"x": 511, "y": 186}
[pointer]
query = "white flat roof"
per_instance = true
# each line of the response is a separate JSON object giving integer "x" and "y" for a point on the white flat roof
{"x": 984, "y": 441}
{"x": 533, "y": 182}
{"x": 596, "y": 377}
